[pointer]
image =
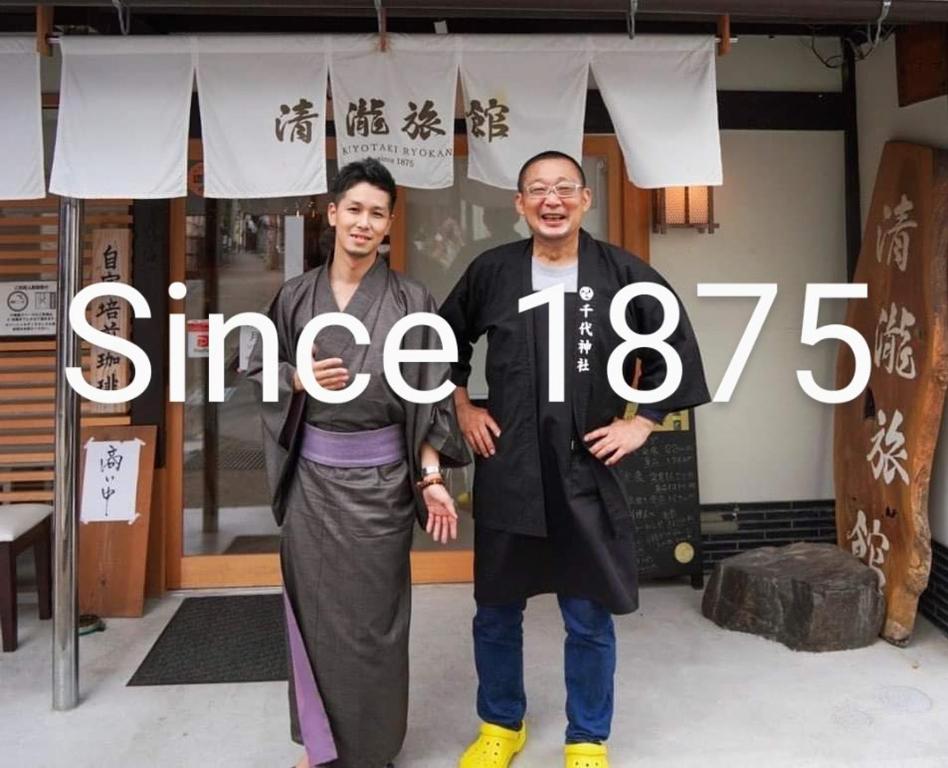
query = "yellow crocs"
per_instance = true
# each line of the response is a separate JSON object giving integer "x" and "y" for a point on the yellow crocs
{"x": 495, "y": 747}
{"x": 586, "y": 755}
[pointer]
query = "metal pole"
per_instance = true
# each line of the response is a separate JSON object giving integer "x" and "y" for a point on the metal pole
{"x": 65, "y": 527}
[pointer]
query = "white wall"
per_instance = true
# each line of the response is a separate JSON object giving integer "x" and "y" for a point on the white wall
{"x": 881, "y": 120}
{"x": 781, "y": 210}
{"x": 761, "y": 63}
{"x": 782, "y": 218}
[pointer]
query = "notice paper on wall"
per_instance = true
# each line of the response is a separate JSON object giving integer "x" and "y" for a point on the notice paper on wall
{"x": 28, "y": 308}
{"x": 110, "y": 481}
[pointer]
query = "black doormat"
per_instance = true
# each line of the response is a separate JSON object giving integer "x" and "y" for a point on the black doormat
{"x": 257, "y": 544}
{"x": 231, "y": 454}
{"x": 238, "y": 639}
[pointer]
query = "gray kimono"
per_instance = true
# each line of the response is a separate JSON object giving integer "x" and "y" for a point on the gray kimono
{"x": 346, "y": 532}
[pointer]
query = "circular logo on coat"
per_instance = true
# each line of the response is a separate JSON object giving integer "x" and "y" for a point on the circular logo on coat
{"x": 684, "y": 552}
{"x": 586, "y": 293}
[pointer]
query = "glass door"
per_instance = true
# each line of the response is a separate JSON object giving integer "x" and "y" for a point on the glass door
{"x": 234, "y": 255}
{"x": 226, "y": 502}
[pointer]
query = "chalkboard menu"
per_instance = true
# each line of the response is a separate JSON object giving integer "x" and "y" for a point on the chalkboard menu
{"x": 661, "y": 484}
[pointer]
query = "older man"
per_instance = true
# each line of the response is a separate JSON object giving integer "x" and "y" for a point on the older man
{"x": 550, "y": 514}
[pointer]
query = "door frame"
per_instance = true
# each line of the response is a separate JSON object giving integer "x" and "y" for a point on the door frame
{"x": 628, "y": 218}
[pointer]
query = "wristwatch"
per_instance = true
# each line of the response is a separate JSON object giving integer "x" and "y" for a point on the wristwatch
{"x": 428, "y": 471}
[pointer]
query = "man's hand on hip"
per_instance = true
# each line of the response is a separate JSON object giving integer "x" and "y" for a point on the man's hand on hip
{"x": 478, "y": 428}
{"x": 619, "y": 439}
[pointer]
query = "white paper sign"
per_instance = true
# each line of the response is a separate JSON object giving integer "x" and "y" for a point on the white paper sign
{"x": 199, "y": 338}
{"x": 28, "y": 308}
{"x": 398, "y": 107}
{"x": 110, "y": 481}
{"x": 248, "y": 337}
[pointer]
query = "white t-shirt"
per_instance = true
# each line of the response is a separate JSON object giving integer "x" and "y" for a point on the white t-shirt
{"x": 545, "y": 275}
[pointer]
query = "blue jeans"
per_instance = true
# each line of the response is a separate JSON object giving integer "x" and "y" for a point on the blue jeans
{"x": 590, "y": 664}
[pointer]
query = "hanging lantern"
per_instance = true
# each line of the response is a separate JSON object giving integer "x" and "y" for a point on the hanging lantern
{"x": 683, "y": 208}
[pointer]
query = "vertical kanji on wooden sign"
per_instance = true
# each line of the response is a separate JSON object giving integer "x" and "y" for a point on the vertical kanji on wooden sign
{"x": 111, "y": 262}
{"x": 884, "y": 440}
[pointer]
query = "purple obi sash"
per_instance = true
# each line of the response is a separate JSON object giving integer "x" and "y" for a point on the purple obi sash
{"x": 370, "y": 448}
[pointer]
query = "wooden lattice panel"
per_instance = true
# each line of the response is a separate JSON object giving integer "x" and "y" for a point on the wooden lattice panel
{"x": 28, "y": 251}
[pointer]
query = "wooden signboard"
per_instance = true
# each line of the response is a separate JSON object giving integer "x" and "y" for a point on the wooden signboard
{"x": 111, "y": 262}
{"x": 114, "y": 518}
{"x": 661, "y": 483}
{"x": 884, "y": 440}
{"x": 921, "y": 62}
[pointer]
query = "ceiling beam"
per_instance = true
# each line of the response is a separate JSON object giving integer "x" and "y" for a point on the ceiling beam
{"x": 774, "y": 11}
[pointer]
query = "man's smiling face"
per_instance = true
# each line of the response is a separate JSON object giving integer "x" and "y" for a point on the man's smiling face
{"x": 553, "y": 199}
{"x": 362, "y": 219}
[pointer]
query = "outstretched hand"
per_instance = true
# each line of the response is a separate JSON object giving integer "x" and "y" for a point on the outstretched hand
{"x": 442, "y": 517}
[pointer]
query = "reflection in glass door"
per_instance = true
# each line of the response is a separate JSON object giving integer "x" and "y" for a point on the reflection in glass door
{"x": 238, "y": 254}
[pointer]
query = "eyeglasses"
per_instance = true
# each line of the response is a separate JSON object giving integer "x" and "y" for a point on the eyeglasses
{"x": 562, "y": 189}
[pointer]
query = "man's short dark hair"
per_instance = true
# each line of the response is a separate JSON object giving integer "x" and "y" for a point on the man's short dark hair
{"x": 370, "y": 171}
{"x": 550, "y": 154}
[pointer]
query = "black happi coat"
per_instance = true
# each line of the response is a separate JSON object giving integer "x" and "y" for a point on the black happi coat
{"x": 508, "y": 487}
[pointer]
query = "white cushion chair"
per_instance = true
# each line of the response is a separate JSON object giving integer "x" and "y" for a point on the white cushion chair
{"x": 23, "y": 526}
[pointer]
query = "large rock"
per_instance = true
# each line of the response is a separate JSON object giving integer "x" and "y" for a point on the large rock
{"x": 810, "y": 597}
